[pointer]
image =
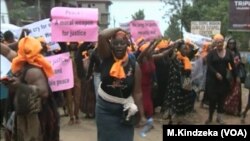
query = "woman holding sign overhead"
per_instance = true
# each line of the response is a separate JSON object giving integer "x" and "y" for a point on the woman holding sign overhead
{"x": 119, "y": 93}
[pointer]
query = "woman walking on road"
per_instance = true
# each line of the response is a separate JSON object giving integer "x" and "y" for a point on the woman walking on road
{"x": 119, "y": 90}
{"x": 218, "y": 85}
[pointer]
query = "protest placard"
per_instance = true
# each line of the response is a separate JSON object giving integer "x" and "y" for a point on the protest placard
{"x": 63, "y": 72}
{"x": 5, "y": 66}
{"x": 196, "y": 38}
{"x": 205, "y": 28}
{"x": 42, "y": 29}
{"x": 148, "y": 29}
{"x": 74, "y": 24}
{"x": 125, "y": 26}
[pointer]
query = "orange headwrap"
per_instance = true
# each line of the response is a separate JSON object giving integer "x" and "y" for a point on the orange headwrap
{"x": 29, "y": 52}
{"x": 144, "y": 46}
{"x": 162, "y": 44}
{"x": 117, "y": 70}
{"x": 185, "y": 60}
{"x": 42, "y": 40}
{"x": 218, "y": 37}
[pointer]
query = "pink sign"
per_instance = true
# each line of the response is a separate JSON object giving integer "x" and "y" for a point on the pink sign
{"x": 148, "y": 29}
{"x": 63, "y": 72}
{"x": 88, "y": 14}
{"x": 74, "y": 24}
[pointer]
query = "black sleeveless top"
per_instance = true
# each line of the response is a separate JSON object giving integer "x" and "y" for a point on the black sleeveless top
{"x": 118, "y": 87}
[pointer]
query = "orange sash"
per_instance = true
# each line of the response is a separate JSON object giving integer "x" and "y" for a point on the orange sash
{"x": 117, "y": 70}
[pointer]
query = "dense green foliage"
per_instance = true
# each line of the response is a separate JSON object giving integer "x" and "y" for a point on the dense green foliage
{"x": 174, "y": 31}
{"x": 204, "y": 10}
{"x": 139, "y": 15}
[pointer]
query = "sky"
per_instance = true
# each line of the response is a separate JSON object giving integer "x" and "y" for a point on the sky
{"x": 122, "y": 11}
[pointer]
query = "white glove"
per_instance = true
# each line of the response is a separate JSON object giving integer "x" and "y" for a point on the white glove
{"x": 132, "y": 109}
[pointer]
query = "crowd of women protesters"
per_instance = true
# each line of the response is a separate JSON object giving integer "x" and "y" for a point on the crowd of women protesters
{"x": 119, "y": 82}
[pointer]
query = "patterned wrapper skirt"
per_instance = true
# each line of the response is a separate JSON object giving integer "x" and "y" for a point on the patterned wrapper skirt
{"x": 108, "y": 121}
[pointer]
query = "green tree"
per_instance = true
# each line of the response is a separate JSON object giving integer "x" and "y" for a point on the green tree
{"x": 216, "y": 10}
{"x": 175, "y": 8}
{"x": 139, "y": 15}
{"x": 205, "y": 10}
{"x": 173, "y": 31}
{"x": 16, "y": 10}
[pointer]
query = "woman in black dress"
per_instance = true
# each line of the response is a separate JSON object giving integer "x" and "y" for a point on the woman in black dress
{"x": 178, "y": 101}
{"x": 219, "y": 61}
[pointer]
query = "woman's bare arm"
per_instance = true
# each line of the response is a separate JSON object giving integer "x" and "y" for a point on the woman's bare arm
{"x": 7, "y": 52}
{"x": 137, "y": 93}
{"x": 163, "y": 53}
{"x": 103, "y": 42}
{"x": 146, "y": 52}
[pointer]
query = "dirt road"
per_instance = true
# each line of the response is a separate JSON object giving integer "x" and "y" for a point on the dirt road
{"x": 86, "y": 130}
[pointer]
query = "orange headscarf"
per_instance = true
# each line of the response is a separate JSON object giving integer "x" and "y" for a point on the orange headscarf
{"x": 29, "y": 52}
{"x": 144, "y": 46}
{"x": 218, "y": 37}
{"x": 117, "y": 69}
{"x": 42, "y": 40}
{"x": 162, "y": 44}
{"x": 185, "y": 60}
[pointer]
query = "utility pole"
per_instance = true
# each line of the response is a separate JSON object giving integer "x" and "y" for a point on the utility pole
{"x": 39, "y": 9}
